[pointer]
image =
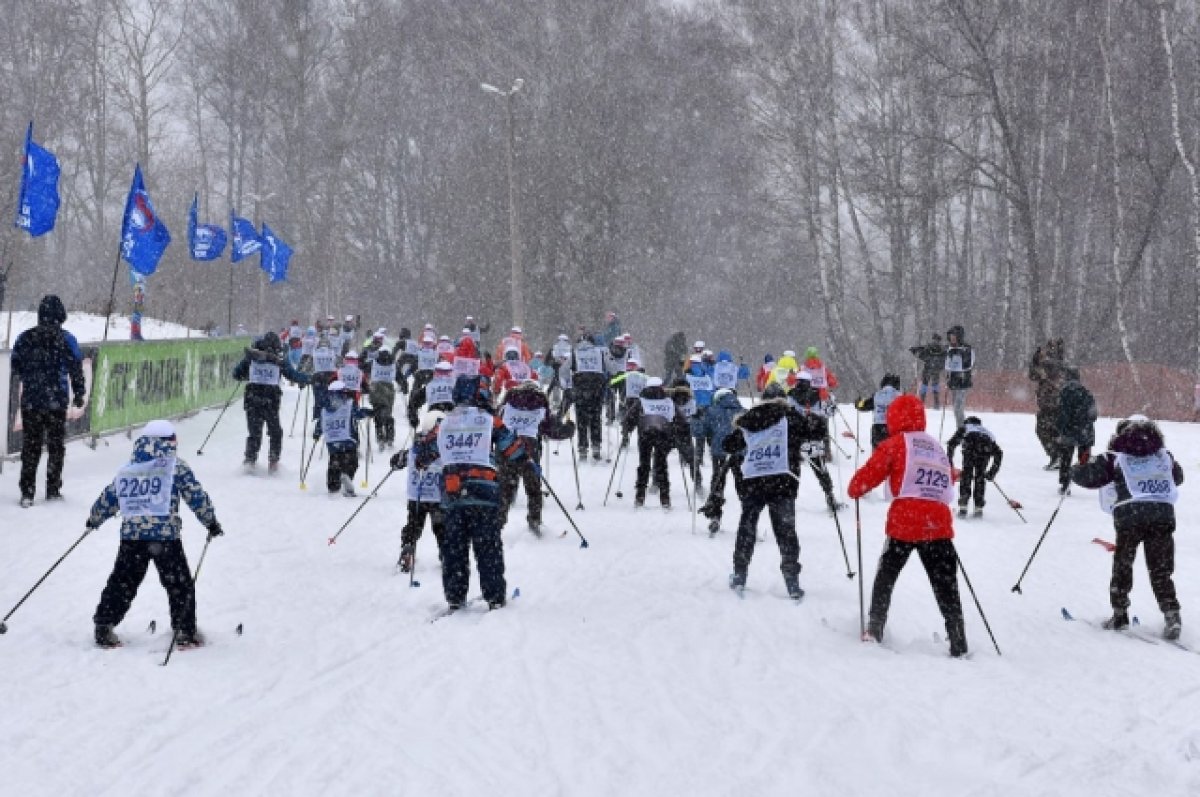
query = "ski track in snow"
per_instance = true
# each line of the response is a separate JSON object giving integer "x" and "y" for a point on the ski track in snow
{"x": 628, "y": 667}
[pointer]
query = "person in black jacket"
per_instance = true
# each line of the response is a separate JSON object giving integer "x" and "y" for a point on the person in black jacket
{"x": 1076, "y": 426}
{"x": 262, "y": 366}
{"x": 981, "y": 463}
{"x": 1138, "y": 478}
{"x": 659, "y": 424}
{"x": 766, "y": 450}
{"x": 589, "y": 366}
{"x": 45, "y": 358}
{"x": 806, "y": 400}
{"x": 960, "y": 362}
{"x": 933, "y": 361}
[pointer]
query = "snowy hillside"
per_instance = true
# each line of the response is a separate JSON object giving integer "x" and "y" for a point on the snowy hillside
{"x": 89, "y": 328}
{"x": 624, "y": 668}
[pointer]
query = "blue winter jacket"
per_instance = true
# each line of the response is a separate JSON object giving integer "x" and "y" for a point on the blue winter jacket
{"x": 332, "y": 401}
{"x": 703, "y": 396}
{"x": 717, "y": 423}
{"x": 156, "y": 527}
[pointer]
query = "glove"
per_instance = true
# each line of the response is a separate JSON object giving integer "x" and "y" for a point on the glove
{"x": 316, "y": 434}
{"x": 399, "y": 460}
{"x": 215, "y": 530}
{"x": 624, "y": 441}
{"x": 78, "y": 401}
{"x": 90, "y": 526}
{"x": 990, "y": 475}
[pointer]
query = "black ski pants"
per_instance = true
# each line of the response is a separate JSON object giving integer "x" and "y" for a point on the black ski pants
{"x": 782, "y": 512}
{"x": 468, "y": 527}
{"x": 133, "y": 559}
{"x": 263, "y": 410}
{"x": 652, "y": 455}
{"x": 510, "y": 475}
{"x": 42, "y": 428}
{"x": 1066, "y": 454}
{"x": 590, "y": 424}
{"x": 415, "y": 525}
{"x": 972, "y": 482}
{"x": 340, "y": 462}
{"x": 941, "y": 566}
{"x": 1158, "y": 537}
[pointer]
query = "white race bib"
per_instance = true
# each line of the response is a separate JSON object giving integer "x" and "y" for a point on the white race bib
{"x": 335, "y": 423}
{"x": 264, "y": 373}
{"x": 635, "y": 383}
{"x": 466, "y": 366}
{"x": 351, "y": 376}
{"x": 144, "y": 488}
{"x": 703, "y": 383}
{"x": 766, "y": 451}
{"x": 589, "y": 360}
{"x": 424, "y": 485}
{"x": 519, "y": 371}
{"x": 660, "y": 408}
{"x": 820, "y": 379}
{"x": 308, "y": 344}
{"x": 524, "y": 423}
{"x": 1148, "y": 478}
{"x": 383, "y": 373}
{"x": 926, "y": 470}
{"x": 426, "y": 359}
{"x": 439, "y": 391}
{"x": 954, "y": 361}
{"x": 324, "y": 360}
{"x": 725, "y": 375}
{"x": 465, "y": 438}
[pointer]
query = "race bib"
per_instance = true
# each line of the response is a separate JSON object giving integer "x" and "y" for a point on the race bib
{"x": 465, "y": 438}
{"x": 144, "y": 488}
{"x": 883, "y": 399}
{"x": 658, "y": 408}
{"x": 264, "y": 373}
{"x": 351, "y": 376}
{"x": 335, "y": 423}
{"x": 324, "y": 360}
{"x": 424, "y": 485}
{"x": 635, "y": 383}
{"x": 439, "y": 391}
{"x": 308, "y": 345}
{"x": 820, "y": 379}
{"x": 781, "y": 375}
{"x": 524, "y": 423}
{"x": 954, "y": 361}
{"x": 1149, "y": 478}
{"x": 926, "y": 470}
{"x": 518, "y": 370}
{"x": 383, "y": 373}
{"x": 766, "y": 451}
{"x": 725, "y": 375}
{"x": 700, "y": 383}
{"x": 589, "y": 361}
{"x": 426, "y": 359}
{"x": 466, "y": 366}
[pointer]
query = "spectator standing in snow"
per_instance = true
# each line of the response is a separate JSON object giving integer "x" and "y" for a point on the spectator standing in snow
{"x": 1138, "y": 478}
{"x": 933, "y": 361}
{"x": 47, "y": 360}
{"x": 960, "y": 362}
{"x": 1046, "y": 372}
{"x": 1076, "y": 426}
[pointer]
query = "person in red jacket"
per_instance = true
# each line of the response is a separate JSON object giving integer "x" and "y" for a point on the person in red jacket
{"x": 919, "y": 474}
{"x": 822, "y": 376}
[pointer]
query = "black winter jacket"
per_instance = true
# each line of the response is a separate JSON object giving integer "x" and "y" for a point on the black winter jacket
{"x": 759, "y": 417}
{"x": 1138, "y": 440}
{"x": 45, "y": 358}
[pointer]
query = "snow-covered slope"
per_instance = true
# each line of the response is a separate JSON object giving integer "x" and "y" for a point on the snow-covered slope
{"x": 89, "y": 328}
{"x": 625, "y": 668}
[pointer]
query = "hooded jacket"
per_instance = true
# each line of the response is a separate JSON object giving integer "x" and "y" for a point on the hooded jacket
{"x": 652, "y": 428}
{"x": 1076, "y": 413}
{"x": 717, "y": 424}
{"x": 48, "y": 360}
{"x": 1133, "y": 439}
{"x": 908, "y": 519}
{"x": 156, "y": 527}
{"x": 958, "y": 348}
{"x": 267, "y": 349}
{"x": 762, "y": 416}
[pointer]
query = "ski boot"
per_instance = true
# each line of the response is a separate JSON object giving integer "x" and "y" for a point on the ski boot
{"x": 535, "y": 527}
{"x": 348, "y": 486}
{"x": 737, "y": 580}
{"x": 957, "y": 632}
{"x": 105, "y": 638}
{"x": 26, "y": 501}
{"x": 978, "y": 512}
{"x": 962, "y": 510}
{"x": 188, "y": 639}
{"x": 1174, "y": 625}
{"x": 714, "y": 526}
{"x": 1118, "y": 622}
{"x": 248, "y": 465}
{"x": 792, "y": 581}
{"x": 273, "y": 466}
{"x": 406, "y": 558}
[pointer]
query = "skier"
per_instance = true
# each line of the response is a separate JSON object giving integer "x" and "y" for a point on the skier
{"x": 1046, "y": 371}
{"x": 889, "y": 389}
{"x": 700, "y": 381}
{"x": 718, "y": 424}
{"x": 728, "y": 374}
{"x": 981, "y": 463}
{"x": 960, "y": 362}
{"x": 262, "y": 366}
{"x": 821, "y": 376}
{"x": 512, "y": 371}
{"x": 338, "y": 422}
{"x": 784, "y": 372}
{"x": 351, "y": 375}
{"x": 526, "y": 412}
{"x": 814, "y": 433}
{"x": 919, "y": 519}
{"x": 436, "y": 394}
{"x": 324, "y": 370}
{"x": 295, "y": 343}
{"x": 589, "y": 363}
{"x": 424, "y": 497}
{"x": 658, "y": 424}
{"x": 764, "y": 372}
{"x": 614, "y": 393}
{"x": 933, "y": 361}
{"x": 43, "y": 358}
{"x": 765, "y": 447}
{"x": 468, "y": 442}
{"x": 1076, "y": 426}
{"x": 1138, "y": 479}
{"x": 382, "y": 392}
{"x": 308, "y": 344}
{"x": 146, "y": 494}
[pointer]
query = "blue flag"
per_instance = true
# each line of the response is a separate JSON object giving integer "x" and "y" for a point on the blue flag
{"x": 144, "y": 237}
{"x": 205, "y": 241}
{"x": 37, "y": 206}
{"x": 275, "y": 255}
{"x": 246, "y": 240}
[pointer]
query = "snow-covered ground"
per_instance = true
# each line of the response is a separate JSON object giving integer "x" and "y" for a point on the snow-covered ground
{"x": 89, "y": 328}
{"x": 625, "y": 668}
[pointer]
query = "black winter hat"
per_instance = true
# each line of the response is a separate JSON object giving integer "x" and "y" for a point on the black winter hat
{"x": 51, "y": 310}
{"x": 269, "y": 342}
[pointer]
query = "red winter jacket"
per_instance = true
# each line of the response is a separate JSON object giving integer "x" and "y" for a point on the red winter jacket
{"x": 908, "y": 519}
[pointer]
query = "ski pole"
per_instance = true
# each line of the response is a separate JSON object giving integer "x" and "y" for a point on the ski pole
{"x": 975, "y": 598}
{"x": 195, "y": 577}
{"x": 295, "y": 412}
{"x": 846, "y": 423}
{"x": 856, "y": 453}
{"x": 621, "y": 478}
{"x": 837, "y": 524}
{"x": 575, "y": 465}
{"x": 367, "y": 466}
{"x": 374, "y": 493}
{"x": 612, "y": 475}
{"x": 304, "y": 432}
{"x": 942, "y": 425}
{"x": 4, "y": 622}
{"x": 236, "y": 388}
{"x": 862, "y": 615}
{"x": 304, "y": 470}
{"x": 1017, "y": 587}
{"x": 1016, "y": 505}
{"x": 583, "y": 543}
{"x": 683, "y": 472}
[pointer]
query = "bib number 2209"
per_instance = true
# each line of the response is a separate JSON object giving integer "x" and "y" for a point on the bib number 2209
{"x": 135, "y": 488}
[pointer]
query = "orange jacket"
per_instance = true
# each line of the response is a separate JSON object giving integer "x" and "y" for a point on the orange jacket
{"x": 908, "y": 519}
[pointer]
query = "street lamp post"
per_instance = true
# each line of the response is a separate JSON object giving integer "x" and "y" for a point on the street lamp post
{"x": 514, "y": 230}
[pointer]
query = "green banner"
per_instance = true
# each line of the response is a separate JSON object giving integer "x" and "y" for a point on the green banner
{"x": 138, "y": 381}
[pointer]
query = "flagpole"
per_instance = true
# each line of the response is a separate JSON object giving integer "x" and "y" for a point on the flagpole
{"x": 112, "y": 293}
{"x": 5, "y": 291}
{"x": 229, "y": 320}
